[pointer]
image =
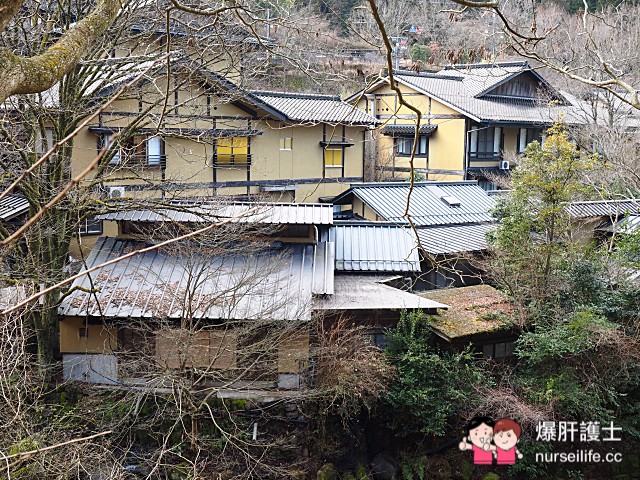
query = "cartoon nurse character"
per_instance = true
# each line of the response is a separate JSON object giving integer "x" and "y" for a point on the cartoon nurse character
{"x": 506, "y": 434}
{"x": 478, "y": 435}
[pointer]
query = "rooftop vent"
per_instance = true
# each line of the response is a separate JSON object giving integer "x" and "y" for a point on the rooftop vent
{"x": 451, "y": 200}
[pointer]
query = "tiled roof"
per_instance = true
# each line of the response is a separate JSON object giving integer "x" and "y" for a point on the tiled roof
{"x": 314, "y": 108}
{"x": 13, "y": 206}
{"x": 243, "y": 212}
{"x": 458, "y": 89}
{"x": 277, "y": 283}
{"x": 603, "y": 208}
{"x": 429, "y": 204}
{"x": 455, "y": 239}
{"x": 371, "y": 247}
{"x": 408, "y": 130}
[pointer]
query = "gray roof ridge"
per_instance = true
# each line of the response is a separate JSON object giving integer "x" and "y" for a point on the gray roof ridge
{"x": 615, "y": 200}
{"x": 451, "y": 225}
{"x": 308, "y": 96}
{"x": 469, "y": 66}
{"x": 436, "y": 75}
{"x": 416, "y": 184}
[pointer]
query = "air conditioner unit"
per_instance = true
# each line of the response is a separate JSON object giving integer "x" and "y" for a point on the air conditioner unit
{"x": 504, "y": 165}
{"x": 116, "y": 192}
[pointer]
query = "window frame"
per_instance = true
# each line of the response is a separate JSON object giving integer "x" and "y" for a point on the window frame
{"x": 84, "y": 229}
{"x": 333, "y": 155}
{"x": 530, "y": 134}
{"x": 286, "y": 144}
{"x": 407, "y": 144}
{"x": 134, "y": 151}
{"x": 244, "y": 148}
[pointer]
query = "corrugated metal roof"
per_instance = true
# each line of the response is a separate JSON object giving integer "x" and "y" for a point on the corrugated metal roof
{"x": 375, "y": 248}
{"x": 427, "y": 207}
{"x": 277, "y": 283}
{"x": 629, "y": 225}
{"x": 12, "y": 206}
{"x": 363, "y": 292}
{"x": 264, "y": 213}
{"x": 456, "y": 239}
{"x": 603, "y": 208}
{"x": 315, "y": 108}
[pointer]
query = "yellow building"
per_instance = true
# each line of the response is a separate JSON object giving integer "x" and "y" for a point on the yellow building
{"x": 475, "y": 120}
{"x": 210, "y": 137}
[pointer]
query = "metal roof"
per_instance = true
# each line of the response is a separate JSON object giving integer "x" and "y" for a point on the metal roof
{"x": 409, "y": 130}
{"x": 628, "y": 225}
{"x": 314, "y": 108}
{"x": 375, "y": 248}
{"x": 455, "y": 239}
{"x": 277, "y": 283}
{"x": 603, "y": 208}
{"x": 428, "y": 207}
{"x": 13, "y": 206}
{"x": 363, "y": 292}
{"x": 242, "y": 212}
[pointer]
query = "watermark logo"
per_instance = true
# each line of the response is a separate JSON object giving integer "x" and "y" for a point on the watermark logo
{"x": 492, "y": 440}
{"x": 496, "y": 442}
{"x": 571, "y": 432}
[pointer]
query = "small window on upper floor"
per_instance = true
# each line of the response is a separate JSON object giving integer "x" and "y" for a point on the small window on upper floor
{"x": 155, "y": 151}
{"x": 136, "y": 151}
{"x": 108, "y": 143}
{"x": 404, "y": 145}
{"x": 528, "y": 135}
{"x": 333, "y": 157}
{"x": 90, "y": 226}
{"x": 232, "y": 150}
{"x": 286, "y": 143}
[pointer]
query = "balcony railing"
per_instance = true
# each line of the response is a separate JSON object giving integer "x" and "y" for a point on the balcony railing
{"x": 231, "y": 160}
{"x": 485, "y": 156}
{"x": 138, "y": 161}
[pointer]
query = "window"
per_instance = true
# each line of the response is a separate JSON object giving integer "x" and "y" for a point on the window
{"x": 232, "y": 150}
{"x": 107, "y": 143}
{"x": 155, "y": 147}
{"x": 145, "y": 150}
{"x": 528, "y": 135}
{"x": 83, "y": 332}
{"x": 138, "y": 150}
{"x": 498, "y": 350}
{"x": 286, "y": 143}
{"x": 486, "y": 142}
{"x": 404, "y": 145}
{"x": 90, "y": 226}
{"x": 333, "y": 157}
